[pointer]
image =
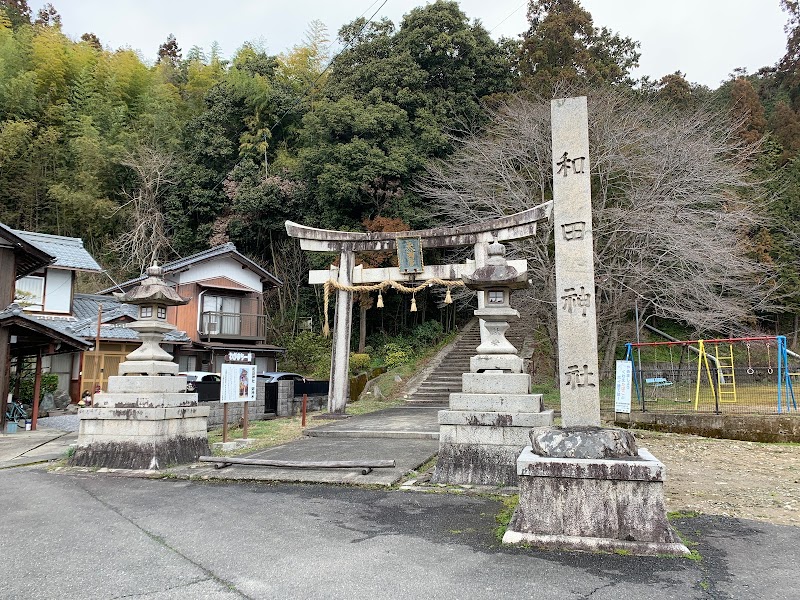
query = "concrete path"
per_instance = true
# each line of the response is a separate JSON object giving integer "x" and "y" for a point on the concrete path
{"x": 408, "y": 454}
{"x": 408, "y": 422}
{"x": 407, "y": 435}
{"x": 97, "y": 536}
{"x": 31, "y": 447}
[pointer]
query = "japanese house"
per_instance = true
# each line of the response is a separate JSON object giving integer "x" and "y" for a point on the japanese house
{"x": 226, "y": 312}
{"x": 25, "y": 266}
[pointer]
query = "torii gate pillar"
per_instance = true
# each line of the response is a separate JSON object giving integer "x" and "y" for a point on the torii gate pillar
{"x": 339, "y": 389}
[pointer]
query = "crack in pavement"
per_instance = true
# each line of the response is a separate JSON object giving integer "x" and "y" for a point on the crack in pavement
{"x": 159, "y": 540}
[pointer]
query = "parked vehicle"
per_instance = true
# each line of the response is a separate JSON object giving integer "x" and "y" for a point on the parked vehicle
{"x": 193, "y": 377}
{"x": 273, "y": 376}
{"x": 15, "y": 412}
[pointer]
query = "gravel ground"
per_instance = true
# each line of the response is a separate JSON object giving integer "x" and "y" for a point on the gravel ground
{"x": 749, "y": 480}
{"x": 62, "y": 422}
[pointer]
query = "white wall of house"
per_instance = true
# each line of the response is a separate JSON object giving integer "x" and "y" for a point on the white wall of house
{"x": 223, "y": 266}
{"x": 50, "y": 292}
{"x": 58, "y": 291}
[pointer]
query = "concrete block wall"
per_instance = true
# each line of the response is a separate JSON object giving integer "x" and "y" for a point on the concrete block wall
{"x": 289, "y": 405}
{"x": 235, "y": 410}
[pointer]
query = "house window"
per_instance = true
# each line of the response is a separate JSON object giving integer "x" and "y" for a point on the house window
{"x": 496, "y": 297}
{"x": 162, "y": 312}
{"x": 30, "y": 292}
{"x": 145, "y": 312}
{"x": 222, "y": 315}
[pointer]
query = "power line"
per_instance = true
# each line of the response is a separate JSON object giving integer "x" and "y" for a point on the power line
{"x": 512, "y": 13}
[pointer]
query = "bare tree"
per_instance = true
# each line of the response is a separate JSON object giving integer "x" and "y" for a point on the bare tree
{"x": 289, "y": 264}
{"x": 673, "y": 204}
{"x": 146, "y": 238}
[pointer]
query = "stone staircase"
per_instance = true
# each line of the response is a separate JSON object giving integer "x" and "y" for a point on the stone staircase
{"x": 444, "y": 376}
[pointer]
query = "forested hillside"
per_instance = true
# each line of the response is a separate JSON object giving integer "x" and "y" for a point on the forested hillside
{"x": 153, "y": 157}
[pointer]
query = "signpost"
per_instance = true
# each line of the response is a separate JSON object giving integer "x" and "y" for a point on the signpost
{"x": 622, "y": 390}
{"x": 238, "y": 385}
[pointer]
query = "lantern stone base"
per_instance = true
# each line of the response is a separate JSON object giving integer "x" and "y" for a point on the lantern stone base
{"x": 486, "y": 427}
{"x": 142, "y": 423}
{"x": 593, "y": 505}
{"x": 148, "y": 367}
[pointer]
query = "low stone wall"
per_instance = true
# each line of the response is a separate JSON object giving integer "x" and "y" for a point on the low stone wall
{"x": 754, "y": 428}
{"x": 290, "y": 405}
{"x": 235, "y": 412}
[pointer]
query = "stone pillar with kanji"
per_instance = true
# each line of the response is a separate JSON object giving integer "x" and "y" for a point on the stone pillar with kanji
{"x": 574, "y": 256}
{"x": 584, "y": 486}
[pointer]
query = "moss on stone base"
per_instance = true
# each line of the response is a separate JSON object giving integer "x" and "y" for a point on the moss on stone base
{"x": 148, "y": 455}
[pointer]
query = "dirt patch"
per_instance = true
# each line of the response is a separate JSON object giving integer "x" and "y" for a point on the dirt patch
{"x": 749, "y": 480}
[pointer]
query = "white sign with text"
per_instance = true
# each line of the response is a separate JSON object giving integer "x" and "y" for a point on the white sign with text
{"x": 238, "y": 383}
{"x": 622, "y": 392}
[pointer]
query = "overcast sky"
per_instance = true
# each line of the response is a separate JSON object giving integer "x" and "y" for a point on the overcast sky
{"x": 706, "y": 39}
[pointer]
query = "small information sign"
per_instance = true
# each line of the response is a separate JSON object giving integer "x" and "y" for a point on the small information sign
{"x": 239, "y": 357}
{"x": 238, "y": 383}
{"x": 622, "y": 392}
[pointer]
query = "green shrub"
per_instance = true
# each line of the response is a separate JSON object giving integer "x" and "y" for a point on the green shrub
{"x": 358, "y": 362}
{"x": 396, "y": 354}
{"x": 308, "y": 352}
{"x": 426, "y": 334}
{"x": 49, "y": 386}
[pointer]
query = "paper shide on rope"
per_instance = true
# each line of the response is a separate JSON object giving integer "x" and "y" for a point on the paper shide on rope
{"x": 332, "y": 284}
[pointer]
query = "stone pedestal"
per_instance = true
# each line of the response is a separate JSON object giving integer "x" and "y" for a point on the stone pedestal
{"x": 593, "y": 505}
{"x": 486, "y": 427}
{"x": 143, "y": 422}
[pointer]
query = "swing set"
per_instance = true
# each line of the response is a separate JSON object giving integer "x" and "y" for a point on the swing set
{"x": 712, "y": 372}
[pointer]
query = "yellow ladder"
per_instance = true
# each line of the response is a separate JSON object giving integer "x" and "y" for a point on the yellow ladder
{"x": 726, "y": 375}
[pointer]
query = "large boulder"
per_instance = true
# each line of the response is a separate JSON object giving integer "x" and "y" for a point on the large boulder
{"x": 47, "y": 404}
{"x": 61, "y": 399}
{"x": 583, "y": 442}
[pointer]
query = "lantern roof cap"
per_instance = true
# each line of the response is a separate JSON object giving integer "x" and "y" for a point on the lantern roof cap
{"x": 153, "y": 290}
{"x": 496, "y": 273}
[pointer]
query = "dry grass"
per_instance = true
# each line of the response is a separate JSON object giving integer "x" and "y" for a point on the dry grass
{"x": 266, "y": 434}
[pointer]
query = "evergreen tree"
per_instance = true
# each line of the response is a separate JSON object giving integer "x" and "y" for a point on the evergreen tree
{"x": 563, "y": 45}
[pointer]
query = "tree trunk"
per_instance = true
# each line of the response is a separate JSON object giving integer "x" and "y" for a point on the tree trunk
{"x": 794, "y": 332}
{"x": 610, "y": 350}
{"x": 362, "y": 327}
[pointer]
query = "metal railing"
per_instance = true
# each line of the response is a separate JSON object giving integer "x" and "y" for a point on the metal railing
{"x": 216, "y": 324}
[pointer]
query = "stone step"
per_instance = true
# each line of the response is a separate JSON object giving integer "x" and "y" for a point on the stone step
{"x": 434, "y": 384}
{"x": 432, "y": 401}
{"x": 428, "y": 396}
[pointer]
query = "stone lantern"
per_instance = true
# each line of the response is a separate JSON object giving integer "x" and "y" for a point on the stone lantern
{"x": 497, "y": 279}
{"x": 144, "y": 421}
{"x": 486, "y": 424}
{"x": 153, "y": 296}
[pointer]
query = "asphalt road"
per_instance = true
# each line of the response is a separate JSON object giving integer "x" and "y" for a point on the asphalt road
{"x": 100, "y": 536}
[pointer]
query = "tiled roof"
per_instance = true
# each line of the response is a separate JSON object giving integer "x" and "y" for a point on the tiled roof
{"x": 69, "y": 251}
{"x": 29, "y": 258}
{"x": 182, "y": 263}
{"x": 85, "y": 306}
{"x": 58, "y": 326}
{"x": 84, "y": 323}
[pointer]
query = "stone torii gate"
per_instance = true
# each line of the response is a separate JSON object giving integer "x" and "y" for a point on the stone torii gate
{"x": 512, "y": 227}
